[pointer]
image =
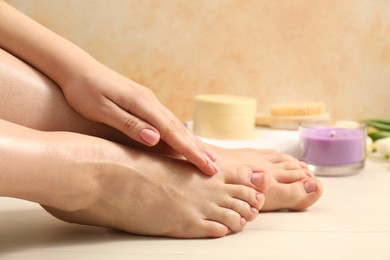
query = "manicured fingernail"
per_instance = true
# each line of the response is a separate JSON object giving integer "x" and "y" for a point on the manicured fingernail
{"x": 214, "y": 165}
{"x": 257, "y": 178}
{"x": 149, "y": 136}
{"x": 211, "y": 155}
{"x": 310, "y": 186}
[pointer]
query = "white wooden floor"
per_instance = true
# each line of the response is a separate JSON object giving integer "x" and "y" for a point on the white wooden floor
{"x": 350, "y": 221}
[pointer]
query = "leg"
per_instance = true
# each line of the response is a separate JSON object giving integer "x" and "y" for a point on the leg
{"x": 31, "y": 99}
{"x": 44, "y": 107}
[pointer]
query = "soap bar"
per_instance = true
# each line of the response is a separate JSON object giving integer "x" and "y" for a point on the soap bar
{"x": 224, "y": 117}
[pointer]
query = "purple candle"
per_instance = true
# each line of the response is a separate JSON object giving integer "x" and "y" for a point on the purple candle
{"x": 329, "y": 146}
{"x": 333, "y": 146}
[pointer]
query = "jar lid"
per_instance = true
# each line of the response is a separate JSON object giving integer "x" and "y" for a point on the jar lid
{"x": 225, "y": 104}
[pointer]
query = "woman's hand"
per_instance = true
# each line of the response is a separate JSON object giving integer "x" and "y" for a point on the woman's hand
{"x": 105, "y": 96}
{"x": 97, "y": 92}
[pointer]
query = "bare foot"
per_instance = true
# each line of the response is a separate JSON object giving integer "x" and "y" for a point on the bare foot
{"x": 293, "y": 187}
{"x": 148, "y": 194}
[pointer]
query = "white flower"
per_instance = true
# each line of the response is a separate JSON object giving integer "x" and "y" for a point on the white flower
{"x": 383, "y": 146}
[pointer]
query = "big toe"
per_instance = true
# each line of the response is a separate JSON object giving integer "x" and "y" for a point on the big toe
{"x": 293, "y": 196}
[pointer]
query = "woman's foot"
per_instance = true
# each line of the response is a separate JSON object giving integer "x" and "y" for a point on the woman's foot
{"x": 149, "y": 194}
{"x": 293, "y": 186}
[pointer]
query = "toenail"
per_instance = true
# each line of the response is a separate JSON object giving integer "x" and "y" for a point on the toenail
{"x": 310, "y": 186}
{"x": 257, "y": 178}
{"x": 309, "y": 173}
{"x": 242, "y": 221}
{"x": 303, "y": 164}
{"x": 259, "y": 196}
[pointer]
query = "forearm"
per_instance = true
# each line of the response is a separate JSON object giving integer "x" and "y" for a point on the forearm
{"x": 46, "y": 168}
{"x": 55, "y": 56}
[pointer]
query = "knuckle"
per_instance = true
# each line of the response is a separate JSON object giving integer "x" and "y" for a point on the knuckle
{"x": 146, "y": 94}
{"x": 130, "y": 123}
{"x": 172, "y": 128}
{"x": 174, "y": 125}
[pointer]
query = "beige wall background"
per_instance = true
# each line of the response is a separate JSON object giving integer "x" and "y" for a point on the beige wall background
{"x": 333, "y": 51}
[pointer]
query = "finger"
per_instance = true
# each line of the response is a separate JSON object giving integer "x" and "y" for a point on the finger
{"x": 134, "y": 127}
{"x": 171, "y": 129}
{"x": 176, "y": 135}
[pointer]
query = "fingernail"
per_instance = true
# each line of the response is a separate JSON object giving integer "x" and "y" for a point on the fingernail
{"x": 254, "y": 210}
{"x": 310, "y": 186}
{"x": 149, "y": 136}
{"x": 211, "y": 155}
{"x": 214, "y": 165}
{"x": 257, "y": 178}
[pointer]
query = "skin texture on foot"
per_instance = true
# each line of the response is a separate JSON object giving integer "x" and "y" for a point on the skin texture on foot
{"x": 92, "y": 181}
{"x": 148, "y": 194}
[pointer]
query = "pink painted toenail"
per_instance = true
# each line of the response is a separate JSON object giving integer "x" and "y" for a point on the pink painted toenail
{"x": 309, "y": 173}
{"x": 303, "y": 164}
{"x": 310, "y": 186}
{"x": 259, "y": 196}
{"x": 242, "y": 221}
{"x": 257, "y": 178}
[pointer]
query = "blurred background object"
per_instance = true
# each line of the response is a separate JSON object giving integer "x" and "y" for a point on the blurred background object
{"x": 336, "y": 52}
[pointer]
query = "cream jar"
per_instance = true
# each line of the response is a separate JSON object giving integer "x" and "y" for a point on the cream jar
{"x": 227, "y": 117}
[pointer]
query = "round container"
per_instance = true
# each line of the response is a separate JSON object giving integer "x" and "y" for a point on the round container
{"x": 224, "y": 117}
{"x": 333, "y": 148}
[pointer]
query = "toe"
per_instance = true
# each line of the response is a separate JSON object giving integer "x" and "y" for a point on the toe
{"x": 283, "y": 157}
{"x": 290, "y": 165}
{"x": 249, "y": 176}
{"x": 230, "y": 218}
{"x": 212, "y": 229}
{"x": 245, "y": 201}
{"x": 289, "y": 176}
{"x": 293, "y": 196}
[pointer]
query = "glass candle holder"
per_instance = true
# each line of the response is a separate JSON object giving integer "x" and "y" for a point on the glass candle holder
{"x": 333, "y": 148}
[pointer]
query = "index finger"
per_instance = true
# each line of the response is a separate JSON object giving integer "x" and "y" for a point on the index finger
{"x": 171, "y": 130}
{"x": 176, "y": 135}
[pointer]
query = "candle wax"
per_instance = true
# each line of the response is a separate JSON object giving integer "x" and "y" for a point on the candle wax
{"x": 333, "y": 146}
